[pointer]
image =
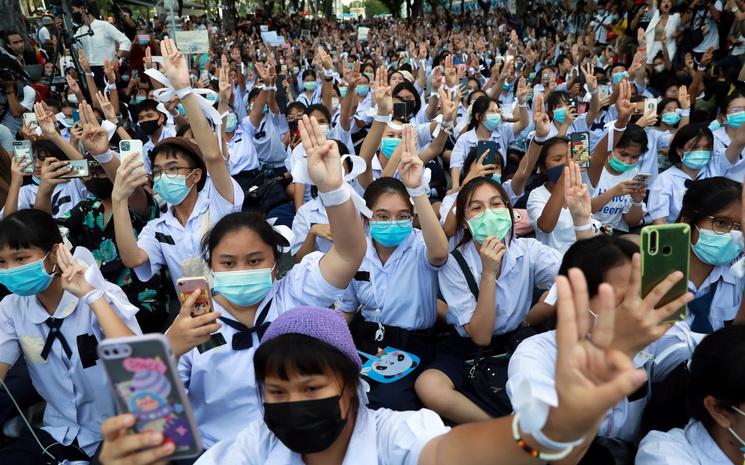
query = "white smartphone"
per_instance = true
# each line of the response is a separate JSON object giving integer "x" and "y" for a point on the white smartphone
{"x": 22, "y": 152}
{"x": 650, "y": 106}
{"x": 127, "y": 147}
{"x": 29, "y": 119}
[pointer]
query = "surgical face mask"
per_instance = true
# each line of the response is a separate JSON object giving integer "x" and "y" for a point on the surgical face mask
{"x": 212, "y": 98}
{"x": 72, "y": 98}
{"x": 716, "y": 249}
{"x": 305, "y": 427}
{"x": 310, "y": 86}
{"x": 696, "y": 159}
{"x": 560, "y": 115}
{"x": 659, "y": 68}
{"x": 245, "y": 287}
{"x": 735, "y": 435}
{"x": 143, "y": 40}
{"x": 181, "y": 110}
{"x": 324, "y": 129}
{"x": 735, "y": 120}
{"x": 140, "y": 98}
{"x": 26, "y": 280}
{"x": 362, "y": 90}
{"x": 492, "y": 121}
{"x": 671, "y": 118}
{"x": 618, "y": 77}
{"x": 343, "y": 91}
{"x": 388, "y": 145}
{"x": 172, "y": 189}
{"x": 714, "y": 125}
{"x": 506, "y": 86}
{"x": 619, "y": 166}
{"x": 370, "y": 76}
{"x": 124, "y": 77}
{"x": 150, "y": 127}
{"x": 231, "y": 122}
{"x": 390, "y": 233}
{"x": 497, "y": 177}
{"x": 492, "y": 222}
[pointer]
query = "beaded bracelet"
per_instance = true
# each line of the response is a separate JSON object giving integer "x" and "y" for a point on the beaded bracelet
{"x": 562, "y": 454}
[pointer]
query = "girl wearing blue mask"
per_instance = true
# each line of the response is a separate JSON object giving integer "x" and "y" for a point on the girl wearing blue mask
{"x": 58, "y": 309}
{"x": 672, "y": 116}
{"x": 488, "y": 285}
{"x": 690, "y": 155}
{"x": 243, "y": 252}
{"x": 712, "y": 208}
{"x": 310, "y": 90}
{"x": 395, "y": 288}
{"x": 619, "y": 200}
{"x": 729, "y": 142}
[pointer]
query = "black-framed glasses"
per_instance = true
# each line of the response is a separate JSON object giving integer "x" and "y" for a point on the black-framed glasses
{"x": 722, "y": 225}
{"x": 170, "y": 172}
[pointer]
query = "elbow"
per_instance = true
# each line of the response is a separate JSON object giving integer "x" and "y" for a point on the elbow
{"x": 481, "y": 340}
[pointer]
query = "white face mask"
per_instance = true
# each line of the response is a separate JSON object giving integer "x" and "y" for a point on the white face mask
{"x": 72, "y": 98}
{"x": 324, "y": 129}
{"x": 659, "y": 68}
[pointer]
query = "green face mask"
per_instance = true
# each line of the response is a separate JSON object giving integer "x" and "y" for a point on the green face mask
{"x": 620, "y": 166}
{"x": 494, "y": 222}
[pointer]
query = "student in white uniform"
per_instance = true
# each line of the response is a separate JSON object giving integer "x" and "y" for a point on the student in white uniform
{"x": 310, "y": 93}
{"x": 314, "y": 406}
{"x": 690, "y": 155}
{"x": 619, "y": 200}
{"x": 729, "y": 140}
{"x": 310, "y": 230}
{"x": 180, "y": 169}
{"x": 712, "y": 208}
{"x": 155, "y": 126}
{"x": 392, "y": 300}
{"x": 488, "y": 284}
{"x": 486, "y": 124}
{"x": 265, "y": 124}
{"x": 651, "y": 346}
{"x": 242, "y": 251}
{"x": 715, "y": 434}
{"x": 672, "y": 117}
{"x": 59, "y": 308}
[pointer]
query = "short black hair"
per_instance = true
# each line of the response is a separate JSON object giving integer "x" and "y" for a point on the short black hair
{"x": 145, "y": 105}
{"x": 705, "y": 197}
{"x": 29, "y": 228}
{"x": 595, "y": 256}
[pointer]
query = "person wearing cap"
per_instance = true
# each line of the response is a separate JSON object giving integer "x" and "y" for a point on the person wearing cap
{"x": 44, "y": 34}
{"x": 180, "y": 170}
{"x": 315, "y": 412}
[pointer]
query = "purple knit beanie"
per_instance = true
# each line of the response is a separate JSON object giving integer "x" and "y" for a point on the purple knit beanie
{"x": 324, "y": 324}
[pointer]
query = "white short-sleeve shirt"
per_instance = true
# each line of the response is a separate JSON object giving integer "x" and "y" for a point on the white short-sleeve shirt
{"x": 503, "y": 136}
{"x": 690, "y": 446}
{"x": 563, "y": 235}
{"x": 311, "y": 213}
{"x": 612, "y": 212}
{"x": 64, "y": 197}
{"x": 667, "y": 192}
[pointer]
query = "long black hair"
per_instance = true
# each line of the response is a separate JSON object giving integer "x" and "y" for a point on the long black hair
{"x": 464, "y": 197}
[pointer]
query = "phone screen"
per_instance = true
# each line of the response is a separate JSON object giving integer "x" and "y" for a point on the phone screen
{"x": 399, "y": 112}
{"x": 580, "y": 148}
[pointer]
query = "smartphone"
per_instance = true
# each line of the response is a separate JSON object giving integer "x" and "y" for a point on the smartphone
{"x": 22, "y": 152}
{"x": 399, "y": 112}
{"x": 79, "y": 169}
{"x": 665, "y": 248}
{"x": 75, "y": 116}
{"x": 491, "y": 147}
{"x": 143, "y": 375}
{"x": 650, "y": 106}
{"x": 604, "y": 91}
{"x": 135, "y": 74}
{"x": 29, "y": 119}
{"x": 185, "y": 287}
{"x": 641, "y": 178}
{"x": 127, "y": 147}
{"x": 579, "y": 143}
{"x": 204, "y": 75}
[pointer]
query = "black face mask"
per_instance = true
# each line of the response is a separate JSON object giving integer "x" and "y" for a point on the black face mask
{"x": 77, "y": 17}
{"x": 149, "y": 127}
{"x": 553, "y": 174}
{"x": 308, "y": 426}
{"x": 100, "y": 187}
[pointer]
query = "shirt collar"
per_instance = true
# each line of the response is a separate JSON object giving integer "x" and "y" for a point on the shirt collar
{"x": 66, "y": 306}
{"x": 202, "y": 205}
{"x": 705, "y": 449}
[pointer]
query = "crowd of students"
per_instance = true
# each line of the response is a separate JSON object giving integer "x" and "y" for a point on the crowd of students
{"x": 377, "y": 274}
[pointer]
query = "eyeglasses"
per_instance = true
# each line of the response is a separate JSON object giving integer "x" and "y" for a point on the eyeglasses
{"x": 721, "y": 225}
{"x": 170, "y": 172}
{"x": 386, "y": 218}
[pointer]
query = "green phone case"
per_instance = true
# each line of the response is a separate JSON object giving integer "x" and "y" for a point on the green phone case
{"x": 666, "y": 248}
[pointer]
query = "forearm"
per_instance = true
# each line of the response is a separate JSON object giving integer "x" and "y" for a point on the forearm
{"x": 298, "y": 195}
{"x": 14, "y": 106}
{"x": 434, "y": 236}
{"x": 525, "y": 169}
{"x": 602, "y": 200}
{"x": 524, "y": 120}
{"x": 372, "y": 141}
{"x": 481, "y": 326}
{"x": 551, "y": 211}
{"x": 200, "y": 127}
{"x": 43, "y": 199}
{"x": 11, "y": 201}
{"x": 391, "y": 166}
{"x": 257, "y": 112}
{"x": 132, "y": 255}
{"x": 344, "y": 258}
{"x": 634, "y": 216}
{"x": 593, "y": 110}
{"x": 110, "y": 323}
{"x": 309, "y": 246}
{"x": 434, "y": 148}
{"x": 431, "y": 110}
{"x": 71, "y": 152}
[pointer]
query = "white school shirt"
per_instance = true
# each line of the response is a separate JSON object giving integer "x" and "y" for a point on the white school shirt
{"x": 380, "y": 437}
{"x": 503, "y": 136}
{"x": 526, "y": 264}
{"x": 64, "y": 197}
{"x": 727, "y": 295}
{"x": 578, "y": 125}
{"x": 220, "y": 382}
{"x": 78, "y": 399}
{"x": 690, "y": 446}
{"x": 312, "y": 212}
{"x": 666, "y": 195}
{"x": 267, "y": 138}
{"x": 532, "y": 368}
{"x": 314, "y": 98}
{"x": 402, "y": 292}
{"x": 448, "y": 202}
{"x": 656, "y": 140}
{"x": 612, "y": 212}
{"x": 563, "y": 235}
{"x": 167, "y": 242}
{"x": 242, "y": 153}
{"x": 165, "y": 132}
{"x": 735, "y": 171}
{"x": 102, "y": 44}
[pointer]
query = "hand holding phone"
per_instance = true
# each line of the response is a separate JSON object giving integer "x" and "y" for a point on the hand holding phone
{"x": 186, "y": 287}
{"x": 127, "y": 148}
{"x": 665, "y": 250}
{"x": 78, "y": 169}
{"x": 22, "y": 154}
{"x": 490, "y": 148}
{"x": 579, "y": 143}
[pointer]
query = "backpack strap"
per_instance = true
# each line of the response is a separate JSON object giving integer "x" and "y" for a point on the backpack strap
{"x": 466, "y": 272}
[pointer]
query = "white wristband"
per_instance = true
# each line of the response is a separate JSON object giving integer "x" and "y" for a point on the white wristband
{"x": 383, "y": 118}
{"x": 685, "y": 112}
{"x": 562, "y": 452}
{"x": 104, "y": 157}
{"x": 92, "y": 296}
{"x": 583, "y": 227}
{"x": 335, "y": 197}
{"x": 522, "y": 105}
{"x": 544, "y": 441}
{"x": 181, "y": 93}
{"x": 539, "y": 139}
{"x": 594, "y": 91}
{"x": 636, "y": 204}
{"x": 417, "y": 191}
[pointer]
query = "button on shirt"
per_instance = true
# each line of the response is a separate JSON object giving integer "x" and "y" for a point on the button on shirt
{"x": 690, "y": 446}
{"x": 78, "y": 399}
{"x": 167, "y": 242}
{"x": 727, "y": 295}
{"x": 389, "y": 286}
{"x": 221, "y": 382}
{"x": 526, "y": 264}
{"x": 666, "y": 196}
{"x": 503, "y": 136}
{"x": 102, "y": 44}
{"x": 531, "y": 374}
{"x": 380, "y": 437}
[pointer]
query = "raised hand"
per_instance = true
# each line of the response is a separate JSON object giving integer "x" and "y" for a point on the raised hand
{"x": 147, "y": 60}
{"x": 540, "y": 118}
{"x": 451, "y": 73}
{"x": 51, "y": 172}
{"x": 225, "y": 87}
{"x": 479, "y": 169}
{"x": 130, "y": 175}
{"x": 174, "y": 64}
{"x": 187, "y": 331}
{"x": 18, "y": 167}
{"x": 72, "y": 84}
{"x": 383, "y": 97}
{"x": 108, "y": 71}
{"x": 324, "y": 161}
{"x": 522, "y": 91}
{"x": 411, "y": 167}
{"x": 491, "y": 253}
{"x": 83, "y": 59}
{"x": 684, "y": 98}
{"x": 576, "y": 194}
{"x": 106, "y": 106}
{"x": 448, "y": 106}
{"x": 95, "y": 139}
{"x": 590, "y": 79}
{"x": 623, "y": 104}
{"x": 73, "y": 273}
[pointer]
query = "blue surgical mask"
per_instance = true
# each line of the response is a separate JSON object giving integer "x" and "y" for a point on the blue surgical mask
{"x": 370, "y": 76}
{"x": 171, "y": 189}
{"x": 492, "y": 121}
{"x": 618, "y": 77}
{"x": 140, "y": 98}
{"x": 388, "y": 146}
{"x": 390, "y": 233}
{"x": 560, "y": 115}
{"x": 231, "y": 122}
{"x": 245, "y": 287}
{"x": 553, "y": 174}
{"x": 492, "y": 222}
{"x": 26, "y": 280}
{"x": 36, "y": 180}
{"x": 497, "y": 177}
{"x": 696, "y": 159}
{"x": 506, "y": 86}
{"x": 310, "y": 86}
{"x": 181, "y": 110}
{"x": 671, "y": 118}
{"x": 362, "y": 90}
{"x": 716, "y": 249}
{"x": 735, "y": 120}
{"x": 714, "y": 125}
{"x": 343, "y": 91}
